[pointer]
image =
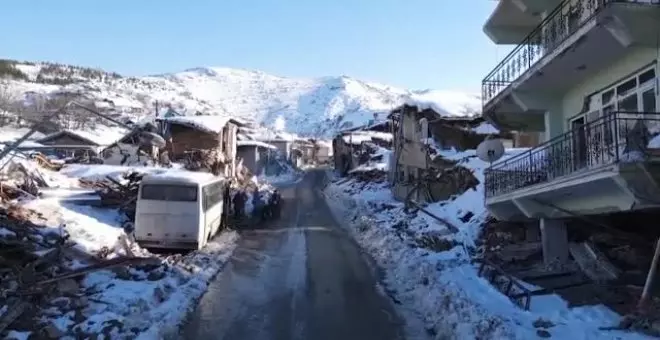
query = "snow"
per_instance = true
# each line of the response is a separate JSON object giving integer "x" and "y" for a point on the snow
{"x": 316, "y": 107}
{"x": 284, "y": 178}
{"x": 11, "y": 134}
{"x": 29, "y": 144}
{"x": 99, "y": 172}
{"x": 181, "y": 175}
{"x": 210, "y": 124}
{"x": 485, "y": 128}
{"x": 442, "y": 290}
{"x": 445, "y": 103}
{"x": 358, "y": 137}
{"x": 654, "y": 143}
{"x": 153, "y": 307}
{"x": 255, "y": 143}
{"x": 99, "y": 135}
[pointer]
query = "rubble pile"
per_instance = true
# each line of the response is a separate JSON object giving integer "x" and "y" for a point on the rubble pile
{"x": 122, "y": 195}
{"x": 370, "y": 175}
{"x": 18, "y": 181}
{"x": 46, "y": 163}
{"x": 40, "y": 273}
{"x": 204, "y": 160}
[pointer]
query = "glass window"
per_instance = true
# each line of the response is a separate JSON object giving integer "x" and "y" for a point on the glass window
{"x": 626, "y": 87}
{"x": 646, "y": 77}
{"x": 607, "y": 97}
{"x": 212, "y": 195}
{"x": 170, "y": 193}
{"x": 648, "y": 100}
{"x": 628, "y": 104}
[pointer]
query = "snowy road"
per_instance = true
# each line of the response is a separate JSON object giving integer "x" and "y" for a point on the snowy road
{"x": 300, "y": 278}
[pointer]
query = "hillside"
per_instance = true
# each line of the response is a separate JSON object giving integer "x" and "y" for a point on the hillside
{"x": 312, "y": 107}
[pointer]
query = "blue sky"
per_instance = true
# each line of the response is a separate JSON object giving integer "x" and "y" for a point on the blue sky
{"x": 416, "y": 44}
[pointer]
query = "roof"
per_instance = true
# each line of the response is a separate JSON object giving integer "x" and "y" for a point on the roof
{"x": 358, "y": 137}
{"x": 99, "y": 136}
{"x": 254, "y": 143}
{"x": 368, "y": 126}
{"x": 485, "y": 128}
{"x": 180, "y": 176}
{"x": 210, "y": 124}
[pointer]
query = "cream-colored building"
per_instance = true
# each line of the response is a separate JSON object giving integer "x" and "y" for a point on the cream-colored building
{"x": 585, "y": 73}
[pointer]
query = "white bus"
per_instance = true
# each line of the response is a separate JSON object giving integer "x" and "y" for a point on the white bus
{"x": 178, "y": 209}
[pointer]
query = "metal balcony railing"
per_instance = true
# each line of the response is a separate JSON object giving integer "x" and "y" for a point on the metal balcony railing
{"x": 617, "y": 137}
{"x": 560, "y": 24}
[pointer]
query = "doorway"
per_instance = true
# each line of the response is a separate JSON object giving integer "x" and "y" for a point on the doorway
{"x": 579, "y": 140}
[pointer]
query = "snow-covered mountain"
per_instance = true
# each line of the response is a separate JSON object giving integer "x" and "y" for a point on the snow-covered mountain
{"x": 311, "y": 107}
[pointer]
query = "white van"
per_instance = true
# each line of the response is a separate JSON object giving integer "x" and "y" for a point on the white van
{"x": 178, "y": 209}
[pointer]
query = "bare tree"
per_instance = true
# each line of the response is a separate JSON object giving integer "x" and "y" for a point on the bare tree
{"x": 8, "y": 101}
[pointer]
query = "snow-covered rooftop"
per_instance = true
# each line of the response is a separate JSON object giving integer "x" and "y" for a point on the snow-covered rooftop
{"x": 358, "y": 137}
{"x": 255, "y": 143}
{"x": 101, "y": 136}
{"x": 485, "y": 128}
{"x": 180, "y": 176}
{"x": 211, "y": 124}
{"x": 445, "y": 103}
{"x": 11, "y": 134}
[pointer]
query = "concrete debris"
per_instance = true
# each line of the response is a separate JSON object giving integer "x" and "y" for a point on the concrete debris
{"x": 116, "y": 194}
{"x": 37, "y": 277}
{"x": 592, "y": 262}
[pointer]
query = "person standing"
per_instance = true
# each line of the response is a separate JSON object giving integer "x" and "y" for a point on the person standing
{"x": 239, "y": 204}
{"x": 226, "y": 205}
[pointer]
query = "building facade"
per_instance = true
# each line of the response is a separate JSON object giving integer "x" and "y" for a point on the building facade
{"x": 585, "y": 74}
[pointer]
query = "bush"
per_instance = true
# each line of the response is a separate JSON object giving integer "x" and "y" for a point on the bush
{"x": 8, "y": 70}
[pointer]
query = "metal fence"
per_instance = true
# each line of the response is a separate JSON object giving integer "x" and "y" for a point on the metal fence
{"x": 616, "y": 137}
{"x": 560, "y": 24}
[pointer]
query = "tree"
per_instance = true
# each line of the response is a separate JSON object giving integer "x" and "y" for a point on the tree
{"x": 8, "y": 101}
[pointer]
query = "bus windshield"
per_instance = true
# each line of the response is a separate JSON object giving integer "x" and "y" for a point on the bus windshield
{"x": 168, "y": 192}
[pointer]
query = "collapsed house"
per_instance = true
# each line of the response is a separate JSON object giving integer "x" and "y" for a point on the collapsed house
{"x": 302, "y": 152}
{"x": 323, "y": 151}
{"x": 349, "y": 147}
{"x": 207, "y": 142}
{"x": 420, "y": 135}
{"x": 131, "y": 149}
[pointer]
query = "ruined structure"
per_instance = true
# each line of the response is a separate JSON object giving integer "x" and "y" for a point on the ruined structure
{"x": 208, "y": 140}
{"x": 420, "y": 135}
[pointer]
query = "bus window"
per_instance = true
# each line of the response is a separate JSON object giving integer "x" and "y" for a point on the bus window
{"x": 171, "y": 193}
{"x": 212, "y": 195}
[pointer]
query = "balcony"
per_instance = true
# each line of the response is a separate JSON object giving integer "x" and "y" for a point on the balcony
{"x": 613, "y": 156}
{"x": 569, "y": 18}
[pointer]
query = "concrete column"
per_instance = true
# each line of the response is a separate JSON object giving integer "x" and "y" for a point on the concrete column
{"x": 554, "y": 239}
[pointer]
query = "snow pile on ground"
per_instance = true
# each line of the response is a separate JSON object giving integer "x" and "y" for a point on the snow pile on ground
{"x": 429, "y": 271}
{"x": 312, "y": 107}
{"x": 123, "y": 303}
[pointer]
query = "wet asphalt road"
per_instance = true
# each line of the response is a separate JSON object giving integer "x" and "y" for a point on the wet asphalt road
{"x": 300, "y": 277}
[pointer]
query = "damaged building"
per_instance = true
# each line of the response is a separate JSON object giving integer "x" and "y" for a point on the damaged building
{"x": 207, "y": 140}
{"x": 588, "y": 196}
{"x": 352, "y": 147}
{"x": 421, "y": 134}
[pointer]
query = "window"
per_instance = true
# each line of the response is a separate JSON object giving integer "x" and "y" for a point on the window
{"x": 170, "y": 193}
{"x": 646, "y": 77}
{"x": 628, "y": 104}
{"x": 212, "y": 195}
{"x": 649, "y": 100}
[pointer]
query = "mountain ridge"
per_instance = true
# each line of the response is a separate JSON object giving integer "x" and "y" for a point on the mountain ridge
{"x": 317, "y": 107}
